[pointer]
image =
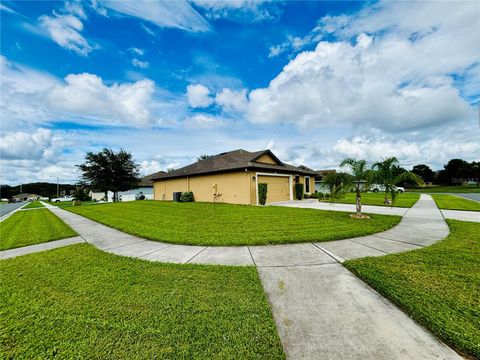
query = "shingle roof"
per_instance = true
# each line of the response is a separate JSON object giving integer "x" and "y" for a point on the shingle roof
{"x": 148, "y": 180}
{"x": 232, "y": 160}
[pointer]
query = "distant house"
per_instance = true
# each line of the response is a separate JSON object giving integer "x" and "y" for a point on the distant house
{"x": 320, "y": 180}
{"x": 25, "y": 196}
{"x": 145, "y": 188}
{"x": 233, "y": 177}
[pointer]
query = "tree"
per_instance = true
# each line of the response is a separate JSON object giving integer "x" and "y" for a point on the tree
{"x": 475, "y": 170}
{"x": 424, "y": 172}
{"x": 204, "y": 157}
{"x": 454, "y": 171}
{"x": 386, "y": 175}
{"x": 110, "y": 171}
{"x": 338, "y": 183}
{"x": 360, "y": 176}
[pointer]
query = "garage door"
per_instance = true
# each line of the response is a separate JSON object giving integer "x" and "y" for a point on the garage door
{"x": 278, "y": 187}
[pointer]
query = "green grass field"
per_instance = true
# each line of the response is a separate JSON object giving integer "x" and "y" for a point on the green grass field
{"x": 370, "y": 198}
{"x": 447, "y": 189}
{"x": 78, "y": 302}
{"x": 222, "y": 224}
{"x": 439, "y": 286}
{"x": 64, "y": 204}
{"x": 32, "y": 227}
{"x": 452, "y": 202}
{"x": 33, "y": 204}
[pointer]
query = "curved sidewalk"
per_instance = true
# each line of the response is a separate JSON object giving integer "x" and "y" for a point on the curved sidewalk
{"x": 321, "y": 310}
{"x": 421, "y": 225}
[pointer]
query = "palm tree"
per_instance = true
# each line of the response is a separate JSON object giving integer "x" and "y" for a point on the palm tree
{"x": 359, "y": 174}
{"x": 387, "y": 176}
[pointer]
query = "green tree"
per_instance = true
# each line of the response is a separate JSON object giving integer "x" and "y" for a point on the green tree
{"x": 454, "y": 171}
{"x": 204, "y": 157}
{"x": 424, "y": 172}
{"x": 110, "y": 171}
{"x": 338, "y": 183}
{"x": 475, "y": 171}
{"x": 360, "y": 176}
{"x": 387, "y": 176}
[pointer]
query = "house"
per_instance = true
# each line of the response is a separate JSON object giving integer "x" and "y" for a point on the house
{"x": 23, "y": 197}
{"x": 145, "y": 188}
{"x": 320, "y": 180}
{"x": 233, "y": 177}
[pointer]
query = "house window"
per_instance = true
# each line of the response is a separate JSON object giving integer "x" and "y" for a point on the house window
{"x": 307, "y": 184}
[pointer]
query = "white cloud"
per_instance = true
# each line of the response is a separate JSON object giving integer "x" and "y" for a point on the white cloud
{"x": 173, "y": 14}
{"x": 239, "y": 10}
{"x": 203, "y": 121}
{"x": 231, "y": 100}
{"x": 391, "y": 80}
{"x": 26, "y": 145}
{"x": 139, "y": 63}
{"x": 198, "y": 96}
{"x": 137, "y": 51}
{"x": 65, "y": 28}
{"x": 87, "y": 95}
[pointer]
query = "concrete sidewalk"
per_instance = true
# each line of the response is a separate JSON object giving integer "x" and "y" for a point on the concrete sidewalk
{"x": 25, "y": 250}
{"x": 379, "y": 210}
{"x": 321, "y": 310}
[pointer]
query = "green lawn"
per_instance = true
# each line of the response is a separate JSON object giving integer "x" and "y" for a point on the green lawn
{"x": 78, "y": 302}
{"x": 370, "y": 198}
{"x": 32, "y": 227}
{"x": 33, "y": 204}
{"x": 447, "y": 189}
{"x": 222, "y": 224}
{"x": 439, "y": 286}
{"x": 452, "y": 202}
{"x": 64, "y": 204}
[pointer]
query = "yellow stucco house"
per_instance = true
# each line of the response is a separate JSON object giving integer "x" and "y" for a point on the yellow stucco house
{"x": 233, "y": 177}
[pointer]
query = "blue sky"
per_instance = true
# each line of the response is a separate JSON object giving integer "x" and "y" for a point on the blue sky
{"x": 313, "y": 81}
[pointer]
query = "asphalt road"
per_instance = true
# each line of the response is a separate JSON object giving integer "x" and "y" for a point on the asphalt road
{"x": 6, "y": 208}
{"x": 471, "y": 196}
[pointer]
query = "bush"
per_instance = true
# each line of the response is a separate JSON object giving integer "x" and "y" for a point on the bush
{"x": 81, "y": 194}
{"x": 186, "y": 196}
{"x": 262, "y": 193}
{"x": 299, "y": 191}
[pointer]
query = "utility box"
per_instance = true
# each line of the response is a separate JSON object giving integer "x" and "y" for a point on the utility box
{"x": 176, "y": 196}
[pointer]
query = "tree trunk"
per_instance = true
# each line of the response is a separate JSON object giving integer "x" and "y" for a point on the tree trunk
{"x": 385, "y": 200}
{"x": 106, "y": 196}
{"x": 358, "y": 202}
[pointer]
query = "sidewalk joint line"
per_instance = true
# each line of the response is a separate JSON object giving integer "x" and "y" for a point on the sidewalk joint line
{"x": 186, "y": 262}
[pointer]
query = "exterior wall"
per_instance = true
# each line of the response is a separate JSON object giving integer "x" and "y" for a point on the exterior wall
{"x": 234, "y": 187}
{"x": 302, "y": 181}
{"x": 164, "y": 189}
{"x": 267, "y": 159}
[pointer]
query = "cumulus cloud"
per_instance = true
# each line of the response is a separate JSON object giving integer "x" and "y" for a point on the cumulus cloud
{"x": 32, "y": 96}
{"x": 65, "y": 28}
{"x": 87, "y": 95}
{"x": 231, "y": 100}
{"x": 375, "y": 75}
{"x": 198, "y": 96}
{"x": 26, "y": 145}
{"x": 172, "y": 14}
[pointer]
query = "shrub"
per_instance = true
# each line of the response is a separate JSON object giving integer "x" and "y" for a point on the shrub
{"x": 299, "y": 191}
{"x": 262, "y": 193}
{"x": 186, "y": 196}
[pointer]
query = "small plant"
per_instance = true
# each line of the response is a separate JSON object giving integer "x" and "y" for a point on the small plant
{"x": 186, "y": 196}
{"x": 262, "y": 193}
{"x": 299, "y": 191}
